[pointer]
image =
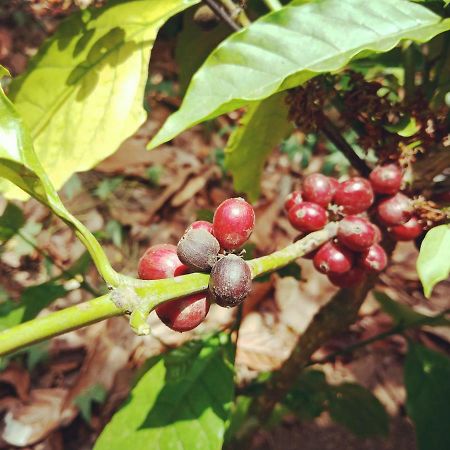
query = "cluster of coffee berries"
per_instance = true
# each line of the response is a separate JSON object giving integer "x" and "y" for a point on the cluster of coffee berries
{"x": 199, "y": 250}
{"x": 356, "y": 249}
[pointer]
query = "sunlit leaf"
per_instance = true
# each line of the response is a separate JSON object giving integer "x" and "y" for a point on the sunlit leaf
{"x": 83, "y": 92}
{"x": 433, "y": 263}
{"x": 286, "y": 48}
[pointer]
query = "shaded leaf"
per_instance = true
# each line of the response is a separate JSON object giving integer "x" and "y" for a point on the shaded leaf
{"x": 433, "y": 263}
{"x": 358, "y": 410}
{"x": 11, "y": 221}
{"x": 97, "y": 66}
{"x": 263, "y": 127}
{"x": 406, "y": 316}
{"x": 285, "y": 48}
{"x": 171, "y": 408}
{"x": 84, "y": 401}
{"x": 427, "y": 381}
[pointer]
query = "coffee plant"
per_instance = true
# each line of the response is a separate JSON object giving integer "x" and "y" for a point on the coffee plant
{"x": 371, "y": 78}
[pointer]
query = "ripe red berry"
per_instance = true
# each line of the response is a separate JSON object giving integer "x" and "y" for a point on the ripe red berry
{"x": 347, "y": 279}
{"x": 356, "y": 233}
{"x": 233, "y": 223}
{"x": 160, "y": 261}
{"x": 407, "y": 231}
{"x": 334, "y": 185}
{"x": 374, "y": 259}
{"x": 201, "y": 225}
{"x": 378, "y": 234}
{"x": 230, "y": 281}
{"x": 395, "y": 210}
{"x": 198, "y": 249}
{"x": 294, "y": 198}
{"x": 317, "y": 188}
{"x": 354, "y": 195}
{"x": 386, "y": 179}
{"x": 334, "y": 258}
{"x": 184, "y": 314}
{"x": 307, "y": 216}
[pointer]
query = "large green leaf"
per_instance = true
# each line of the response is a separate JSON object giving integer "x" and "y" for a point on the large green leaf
{"x": 287, "y": 47}
{"x": 427, "y": 381}
{"x": 433, "y": 263}
{"x": 83, "y": 92}
{"x": 11, "y": 221}
{"x": 20, "y": 165}
{"x": 263, "y": 127}
{"x": 182, "y": 401}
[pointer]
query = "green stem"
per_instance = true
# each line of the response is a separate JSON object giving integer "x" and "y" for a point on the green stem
{"x": 236, "y": 12}
{"x": 57, "y": 323}
{"x": 139, "y": 297}
{"x": 273, "y": 5}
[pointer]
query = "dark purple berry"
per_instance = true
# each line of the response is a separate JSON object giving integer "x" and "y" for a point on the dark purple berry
{"x": 198, "y": 249}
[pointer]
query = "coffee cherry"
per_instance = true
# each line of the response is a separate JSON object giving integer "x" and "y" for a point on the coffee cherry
{"x": 317, "y": 188}
{"x": 378, "y": 234}
{"x": 160, "y": 261}
{"x": 184, "y": 314}
{"x": 354, "y": 195}
{"x": 307, "y": 216}
{"x": 386, "y": 179}
{"x": 407, "y": 231}
{"x": 374, "y": 259}
{"x": 233, "y": 223}
{"x": 334, "y": 185}
{"x": 356, "y": 233}
{"x": 198, "y": 249}
{"x": 230, "y": 281}
{"x": 347, "y": 279}
{"x": 201, "y": 225}
{"x": 395, "y": 210}
{"x": 334, "y": 258}
{"x": 294, "y": 198}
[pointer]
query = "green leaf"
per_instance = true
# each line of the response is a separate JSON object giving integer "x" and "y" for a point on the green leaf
{"x": 406, "y": 316}
{"x": 182, "y": 401}
{"x": 20, "y": 165}
{"x": 287, "y": 47}
{"x": 83, "y": 93}
{"x": 11, "y": 221}
{"x": 358, "y": 409}
{"x": 433, "y": 263}
{"x": 263, "y": 127}
{"x": 107, "y": 187}
{"x": 33, "y": 300}
{"x": 96, "y": 393}
{"x": 427, "y": 381}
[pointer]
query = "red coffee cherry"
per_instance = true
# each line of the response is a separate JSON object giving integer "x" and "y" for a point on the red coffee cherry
{"x": 407, "y": 231}
{"x": 230, "y": 281}
{"x": 354, "y": 195}
{"x": 307, "y": 216}
{"x": 334, "y": 185}
{"x": 233, "y": 223}
{"x": 160, "y": 261}
{"x": 386, "y": 179}
{"x": 198, "y": 249}
{"x": 294, "y": 198}
{"x": 334, "y": 258}
{"x": 201, "y": 225}
{"x": 374, "y": 259}
{"x": 317, "y": 188}
{"x": 378, "y": 234}
{"x": 356, "y": 233}
{"x": 395, "y": 210}
{"x": 184, "y": 314}
{"x": 347, "y": 279}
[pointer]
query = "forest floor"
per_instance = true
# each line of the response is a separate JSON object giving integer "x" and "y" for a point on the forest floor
{"x": 135, "y": 199}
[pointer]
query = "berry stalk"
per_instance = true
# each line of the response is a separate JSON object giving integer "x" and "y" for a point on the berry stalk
{"x": 143, "y": 296}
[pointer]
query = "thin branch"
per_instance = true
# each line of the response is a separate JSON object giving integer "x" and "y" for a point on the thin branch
{"x": 236, "y": 12}
{"x": 140, "y": 297}
{"x": 221, "y": 13}
{"x": 333, "y": 134}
